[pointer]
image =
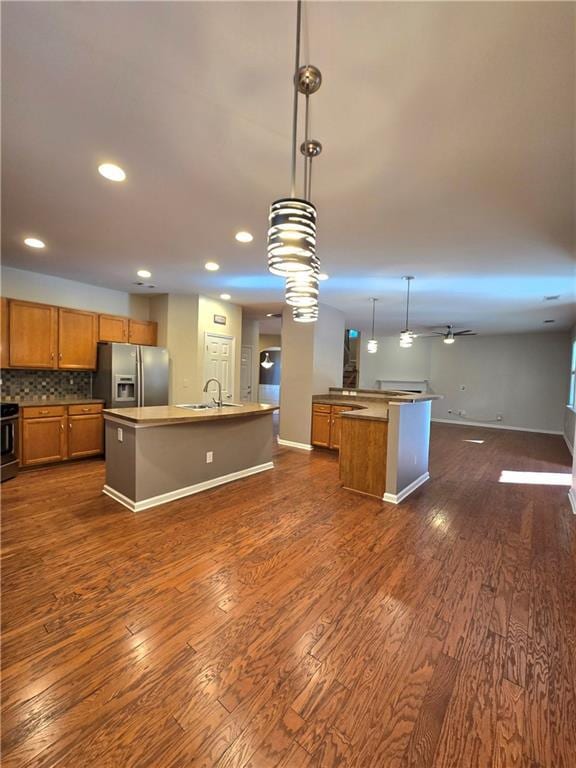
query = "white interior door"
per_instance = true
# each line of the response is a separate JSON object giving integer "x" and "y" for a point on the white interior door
{"x": 246, "y": 374}
{"x": 219, "y": 364}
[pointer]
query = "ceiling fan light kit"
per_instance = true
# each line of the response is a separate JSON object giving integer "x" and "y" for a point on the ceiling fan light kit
{"x": 292, "y": 220}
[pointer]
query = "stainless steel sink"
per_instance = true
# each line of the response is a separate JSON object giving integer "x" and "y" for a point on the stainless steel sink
{"x": 195, "y": 406}
{"x": 232, "y": 405}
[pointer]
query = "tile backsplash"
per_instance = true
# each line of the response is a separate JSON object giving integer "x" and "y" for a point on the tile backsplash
{"x": 44, "y": 385}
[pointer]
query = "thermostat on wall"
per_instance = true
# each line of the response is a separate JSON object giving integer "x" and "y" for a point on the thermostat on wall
{"x": 220, "y": 319}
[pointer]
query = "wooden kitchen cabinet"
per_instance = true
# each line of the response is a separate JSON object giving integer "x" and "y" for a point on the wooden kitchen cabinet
{"x": 321, "y": 422}
{"x": 4, "y": 334}
{"x": 327, "y": 424}
{"x": 53, "y": 433}
{"x": 33, "y": 335}
{"x": 77, "y": 336}
{"x": 112, "y": 328}
{"x": 143, "y": 332}
{"x": 85, "y": 435}
{"x": 43, "y": 440}
{"x": 336, "y": 425}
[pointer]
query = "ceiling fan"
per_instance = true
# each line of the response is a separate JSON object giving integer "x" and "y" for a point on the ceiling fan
{"x": 449, "y": 335}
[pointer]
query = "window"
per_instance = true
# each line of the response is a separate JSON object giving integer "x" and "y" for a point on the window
{"x": 572, "y": 393}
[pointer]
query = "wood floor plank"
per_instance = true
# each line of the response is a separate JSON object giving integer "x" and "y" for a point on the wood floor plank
{"x": 282, "y": 622}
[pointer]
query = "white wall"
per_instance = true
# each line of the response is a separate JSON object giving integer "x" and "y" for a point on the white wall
{"x": 328, "y": 349}
{"x": 524, "y": 377}
{"x": 46, "y": 289}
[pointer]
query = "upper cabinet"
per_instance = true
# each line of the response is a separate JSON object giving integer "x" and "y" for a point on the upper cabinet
{"x": 41, "y": 336}
{"x": 33, "y": 335}
{"x": 77, "y": 337}
{"x": 4, "y": 335}
{"x": 112, "y": 328}
{"x": 143, "y": 332}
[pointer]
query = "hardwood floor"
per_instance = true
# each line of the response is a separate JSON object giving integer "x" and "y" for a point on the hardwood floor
{"x": 282, "y": 621}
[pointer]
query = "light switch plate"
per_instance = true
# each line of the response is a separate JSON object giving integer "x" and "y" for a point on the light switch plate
{"x": 120, "y": 435}
{"x": 209, "y": 457}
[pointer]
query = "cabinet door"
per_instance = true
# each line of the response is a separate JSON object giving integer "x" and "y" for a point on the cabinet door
{"x": 321, "y": 421}
{"x": 4, "y": 335}
{"x": 143, "y": 332}
{"x": 43, "y": 440}
{"x": 336, "y": 428}
{"x": 77, "y": 334}
{"x": 85, "y": 435}
{"x": 33, "y": 333}
{"x": 112, "y": 328}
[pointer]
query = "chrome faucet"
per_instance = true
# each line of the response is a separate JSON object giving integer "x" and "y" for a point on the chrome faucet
{"x": 219, "y": 401}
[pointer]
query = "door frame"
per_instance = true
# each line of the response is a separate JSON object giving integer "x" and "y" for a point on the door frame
{"x": 250, "y": 369}
{"x": 232, "y": 340}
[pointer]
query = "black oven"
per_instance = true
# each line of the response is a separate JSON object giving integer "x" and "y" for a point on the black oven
{"x": 9, "y": 439}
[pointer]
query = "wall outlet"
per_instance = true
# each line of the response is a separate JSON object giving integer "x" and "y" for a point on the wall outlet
{"x": 499, "y": 417}
{"x": 462, "y": 387}
{"x": 120, "y": 435}
{"x": 461, "y": 413}
{"x": 209, "y": 457}
{"x": 450, "y": 410}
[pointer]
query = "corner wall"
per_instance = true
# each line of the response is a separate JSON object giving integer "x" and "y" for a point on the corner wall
{"x": 312, "y": 361}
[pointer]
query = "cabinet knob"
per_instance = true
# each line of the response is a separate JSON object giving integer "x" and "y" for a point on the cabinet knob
{"x": 70, "y": 425}
{"x": 62, "y": 426}
{"x": 60, "y": 355}
{"x": 43, "y": 411}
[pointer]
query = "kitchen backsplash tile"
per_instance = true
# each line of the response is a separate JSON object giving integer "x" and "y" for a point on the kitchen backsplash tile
{"x": 44, "y": 385}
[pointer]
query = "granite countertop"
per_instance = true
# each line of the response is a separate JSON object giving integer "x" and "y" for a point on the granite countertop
{"x": 373, "y": 408}
{"x": 172, "y": 414}
{"x": 56, "y": 401}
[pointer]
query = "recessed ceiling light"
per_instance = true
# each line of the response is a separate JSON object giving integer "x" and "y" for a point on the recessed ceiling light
{"x": 244, "y": 237}
{"x": 323, "y": 276}
{"x": 111, "y": 172}
{"x": 225, "y": 296}
{"x": 211, "y": 266}
{"x": 144, "y": 273}
{"x": 34, "y": 242}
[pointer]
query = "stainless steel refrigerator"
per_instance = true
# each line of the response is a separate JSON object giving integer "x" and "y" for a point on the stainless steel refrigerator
{"x": 129, "y": 375}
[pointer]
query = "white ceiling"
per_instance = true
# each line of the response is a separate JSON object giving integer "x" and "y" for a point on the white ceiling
{"x": 448, "y": 133}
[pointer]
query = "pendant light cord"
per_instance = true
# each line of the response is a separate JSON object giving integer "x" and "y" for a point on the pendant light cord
{"x": 295, "y": 109}
{"x": 373, "y": 313}
{"x": 407, "y": 303}
{"x": 306, "y": 159}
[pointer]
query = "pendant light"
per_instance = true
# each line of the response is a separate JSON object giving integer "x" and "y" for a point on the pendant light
{"x": 407, "y": 336}
{"x": 372, "y": 345}
{"x": 292, "y": 220}
{"x": 449, "y": 337}
{"x": 267, "y": 363}
{"x": 305, "y": 314}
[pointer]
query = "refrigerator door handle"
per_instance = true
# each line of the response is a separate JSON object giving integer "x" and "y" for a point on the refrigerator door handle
{"x": 141, "y": 376}
{"x": 138, "y": 378}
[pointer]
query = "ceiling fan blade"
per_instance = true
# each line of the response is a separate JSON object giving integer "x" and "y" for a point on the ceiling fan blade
{"x": 465, "y": 333}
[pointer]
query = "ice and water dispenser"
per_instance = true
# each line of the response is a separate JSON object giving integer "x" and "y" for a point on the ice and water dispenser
{"x": 125, "y": 388}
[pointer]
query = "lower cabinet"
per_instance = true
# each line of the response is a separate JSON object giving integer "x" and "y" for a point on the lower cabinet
{"x": 326, "y": 424}
{"x": 57, "y": 433}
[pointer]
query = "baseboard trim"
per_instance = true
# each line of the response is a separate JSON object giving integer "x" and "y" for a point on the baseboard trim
{"x": 497, "y": 426}
{"x": 570, "y": 446}
{"x": 396, "y": 498}
{"x": 164, "y": 498}
{"x": 572, "y": 499}
{"x": 292, "y": 444}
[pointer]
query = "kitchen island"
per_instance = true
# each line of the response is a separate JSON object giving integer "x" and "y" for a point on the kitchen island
{"x": 158, "y": 454}
{"x": 383, "y": 438}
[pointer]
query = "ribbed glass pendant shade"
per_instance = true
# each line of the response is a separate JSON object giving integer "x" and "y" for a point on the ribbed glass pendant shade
{"x": 406, "y": 339}
{"x": 292, "y": 237}
{"x": 372, "y": 346}
{"x": 305, "y": 314}
{"x": 302, "y": 289}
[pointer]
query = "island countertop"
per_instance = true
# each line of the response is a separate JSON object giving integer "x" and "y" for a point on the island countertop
{"x": 173, "y": 414}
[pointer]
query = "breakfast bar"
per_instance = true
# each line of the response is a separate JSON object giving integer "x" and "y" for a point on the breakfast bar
{"x": 158, "y": 454}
